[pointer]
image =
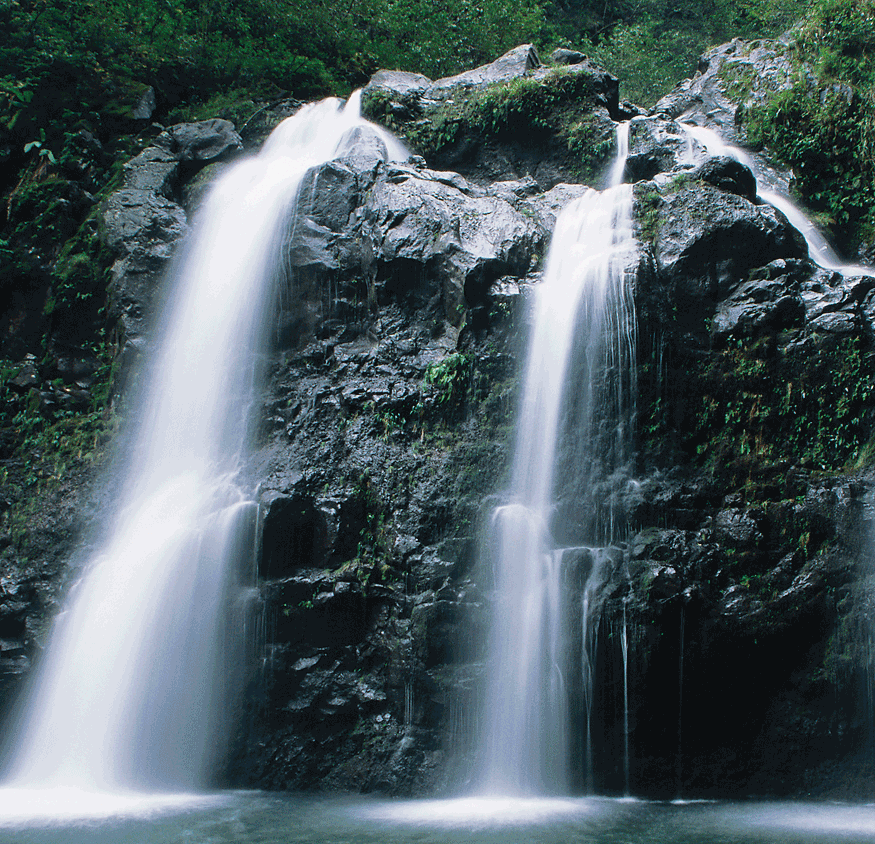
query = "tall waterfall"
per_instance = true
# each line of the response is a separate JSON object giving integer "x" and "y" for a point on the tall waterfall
{"x": 576, "y": 407}
{"x": 131, "y": 693}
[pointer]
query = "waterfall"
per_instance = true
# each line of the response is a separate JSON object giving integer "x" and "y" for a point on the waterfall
{"x": 132, "y": 691}
{"x": 819, "y": 249}
{"x": 576, "y": 407}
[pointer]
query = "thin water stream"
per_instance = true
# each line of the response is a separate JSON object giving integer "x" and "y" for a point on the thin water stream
{"x": 819, "y": 248}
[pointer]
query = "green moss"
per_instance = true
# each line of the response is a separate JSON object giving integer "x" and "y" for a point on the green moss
{"x": 523, "y": 106}
{"x": 738, "y": 79}
{"x": 648, "y": 211}
{"x": 759, "y": 405}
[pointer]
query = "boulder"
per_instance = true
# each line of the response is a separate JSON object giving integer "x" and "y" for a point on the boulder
{"x": 700, "y": 227}
{"x": 142, "y": 221}
{"x": 142, "y": 228}
{"x": 563, "y": 56}
{"x": 656, "y": 145}
{"x": 512, "y": 65}
{"x": 154, "y": 169}
{"x": 727, "y": 174}
{"x": 204, "y": 141}
{"x": 441, "y": 119}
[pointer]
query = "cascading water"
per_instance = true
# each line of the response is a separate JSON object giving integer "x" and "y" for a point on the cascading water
{"x": 578, "y": 399}
{"x": 819, "y": 248}
{"x": 131, "y": 693}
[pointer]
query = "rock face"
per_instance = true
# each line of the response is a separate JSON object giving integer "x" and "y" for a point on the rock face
{"x": 142, "y": 222}
{"x": 388, "y": 416}
{"x": 730, "y": 78}
{"x": 503, "y": 121}
{"x": 743, "y": 561}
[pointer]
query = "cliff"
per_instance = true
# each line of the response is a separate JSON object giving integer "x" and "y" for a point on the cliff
{"x": 743, "y": 585}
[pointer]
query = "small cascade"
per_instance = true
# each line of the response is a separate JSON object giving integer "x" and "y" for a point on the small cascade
{"x": 576, "y": 410}
{"x": 618, "y": 169}
{"x": 590, "y": 615}
{"x": 132, "y": 692}
{"x": 819, "y": 249}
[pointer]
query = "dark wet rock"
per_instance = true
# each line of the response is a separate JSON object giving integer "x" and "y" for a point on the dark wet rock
{"x": 141, "y": 227}
{"x": 756, "y": 305}
{"x": 731, "y": 78}
{"x": 699, "y": 230}
{"x": 430, "y": 239}
{"x": 563, "y": 56}
{"x": 866, "y": 254}
{"x": 26, "y": 377}
{"x": 155, "y": 169}
{"x": 203, "y": 141}
{"x": 143, "y": 220}
{"x": 737, "y": 528}
{"x": 656, "y": 146}
{"x": 728, "y": 175}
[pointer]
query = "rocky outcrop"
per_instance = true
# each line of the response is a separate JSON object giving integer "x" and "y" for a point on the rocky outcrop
{"x": 730, "y": 77}
{"x": 427, "y": 273}
{"x": 504, "y": 121}
{"x": 412, "y": 93}
{"x": 143, "y": 221}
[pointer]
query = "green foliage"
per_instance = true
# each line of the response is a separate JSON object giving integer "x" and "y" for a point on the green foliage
{"x": 648, "y": 207}
{"x": 48, "y": 440}
{"x": 592, "y": 143}
{"x": 185, "y": 47}
{"x": 648, "y": 57}
{"x": 450, "y": 378}
{"x": 650, "y": 45}
{"x": 372, "y": 561}
{"x": 444, "y": 37}
{"x": 759, "y": 406}
{"x": 738, "y": 79}
{"x": 520, "y": 107}
{"x": 824, "y": 127}
{"x": 840, "y": 36}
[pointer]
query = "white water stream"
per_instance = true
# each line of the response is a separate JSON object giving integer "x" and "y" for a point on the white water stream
{"x": 819, "y": 248}
{"x": 131, "y": 695}
{"x": 583, "y": 332}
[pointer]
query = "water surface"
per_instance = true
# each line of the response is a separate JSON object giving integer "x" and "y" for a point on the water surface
{"x": 259, "y": 818}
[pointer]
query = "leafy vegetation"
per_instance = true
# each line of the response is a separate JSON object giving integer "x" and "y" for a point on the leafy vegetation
{"x": 651, "y": 44}
{"x": 824, "y": 125}
{"x": 450, "y": 378}
{"x": 760, "y": 406}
